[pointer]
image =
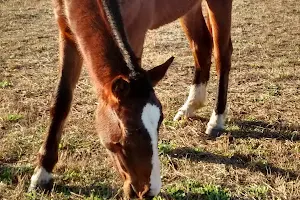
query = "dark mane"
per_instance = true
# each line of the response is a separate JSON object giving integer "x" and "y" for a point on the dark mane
{"x": 113, "y": 14}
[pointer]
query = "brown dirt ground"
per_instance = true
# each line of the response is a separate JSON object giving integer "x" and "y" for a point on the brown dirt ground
{"x": 258, "y": 158}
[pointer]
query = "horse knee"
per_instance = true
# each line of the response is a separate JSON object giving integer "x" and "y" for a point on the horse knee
{"x": 62, "y": 101}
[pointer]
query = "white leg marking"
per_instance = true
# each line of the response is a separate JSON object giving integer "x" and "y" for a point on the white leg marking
{"x": 195, "y": 100}
{"x": 150, "y": 118}
{"x": 40, "y": 176}
{"x": 215, "y": 122}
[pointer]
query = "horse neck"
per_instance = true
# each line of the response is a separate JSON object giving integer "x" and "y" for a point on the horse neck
{"x": 115, "y": 21}
{"x": 95, "y": 36}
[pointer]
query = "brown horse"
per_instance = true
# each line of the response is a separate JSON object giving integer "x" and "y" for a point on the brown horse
{"x": 129, "y": 114}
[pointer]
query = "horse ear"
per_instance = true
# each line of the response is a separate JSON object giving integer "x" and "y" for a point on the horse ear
{"x": 157, "y": 73}
{"x": 120, "y": 87}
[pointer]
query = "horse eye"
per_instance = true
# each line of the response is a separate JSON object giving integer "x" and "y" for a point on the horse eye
{"x": 119, "y": 145}
{"x": 114, "y": 147}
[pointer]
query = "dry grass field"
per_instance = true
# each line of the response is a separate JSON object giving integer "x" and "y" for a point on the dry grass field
{"x": 258, "y": 157}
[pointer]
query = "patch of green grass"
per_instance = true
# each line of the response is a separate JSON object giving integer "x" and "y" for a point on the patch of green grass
{"x": 158, "y": 198}
{"x": 171, "y": 124}
{"x": 41, "y": 129}
{"x": 165, "y": 147}
{"x": 64, "y": 191}
{"x": 251, "y": 118}
{"x": 177, "y": 192}
{"x": 258, "y": 191}
{"x": 103, "y": 194}
{"x": 31, "y": 195}
{"x": 13, "y": 117}
{"x": 194, "y": 190}
{"x": 39, "y": 194}
{"x": 5, "y": 84}
{"x": 6, "y": 175}
{"x": 262, "y": 162}
{"x": 93, "y": 197}
{"x": 232, "y": 127}
{"x": 213, "y": 192}
{"x": 198, "y": 150}
{"x": 71, "y": 175}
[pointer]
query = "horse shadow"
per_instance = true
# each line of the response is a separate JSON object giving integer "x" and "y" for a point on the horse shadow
{"x": 10, "y": 175}
{"x": 243, "y": 129}
{"x": 93, "y": 191}
{"x": 261, "y": 129}
{"x": 237, "y": 160}
{"x": 246, "y": 129}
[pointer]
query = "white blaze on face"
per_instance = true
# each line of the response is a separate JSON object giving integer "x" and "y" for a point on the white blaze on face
{"x": 150, "y": 118}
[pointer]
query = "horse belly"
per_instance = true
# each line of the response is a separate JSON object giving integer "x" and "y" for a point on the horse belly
{"x": 167, "y": 11}
{"x": 137, "y": 20}
{"x": 142, "y": 15}
{"x": 136, "y": 12}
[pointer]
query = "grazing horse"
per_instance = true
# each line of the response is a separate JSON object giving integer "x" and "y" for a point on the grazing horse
{"x": 128, "y": 115}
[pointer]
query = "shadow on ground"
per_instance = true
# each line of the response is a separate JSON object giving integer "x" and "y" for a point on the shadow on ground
{"x": 94, "y": 190}
{"x": 237, "y": 160}
{"x": 11, "y": 174}
{"x": 261, "y": 129}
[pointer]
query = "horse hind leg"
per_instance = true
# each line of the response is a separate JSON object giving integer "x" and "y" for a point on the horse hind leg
{"x": 70, "y": 68}
{"x": 196, "y": 30}
{"x": 220, "y": 20}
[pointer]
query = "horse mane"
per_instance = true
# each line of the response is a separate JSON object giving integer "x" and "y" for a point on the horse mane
{"x": 115, "y": 20}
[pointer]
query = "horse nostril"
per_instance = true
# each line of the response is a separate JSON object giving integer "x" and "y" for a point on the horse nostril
{"x": 146, "y": 194}
{"x": 133, "y": 192}
{"x": 141, "y": 193}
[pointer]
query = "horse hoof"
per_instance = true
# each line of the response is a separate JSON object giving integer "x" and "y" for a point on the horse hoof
{"x": 215, "y": 126}
{"x": 41, "y": 180}
{"x": 183, "y": 113}
{"x": 43, "y": 187}
{"x": 214, "y": 132}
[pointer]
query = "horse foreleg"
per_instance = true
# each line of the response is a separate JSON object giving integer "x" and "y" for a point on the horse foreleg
{"x": 200, "y": 40}
{"x": 70, "y": 68}
{"x": 220, "y": 20}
